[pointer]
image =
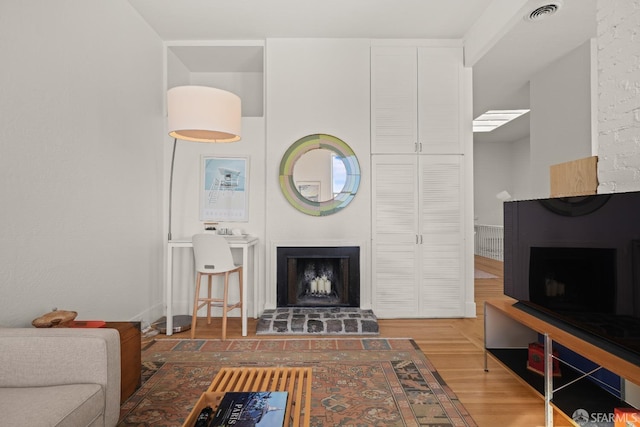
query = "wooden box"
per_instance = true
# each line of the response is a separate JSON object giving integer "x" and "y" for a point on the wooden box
{"x": 130, "y": 352}
{"x": 575, "y": 178}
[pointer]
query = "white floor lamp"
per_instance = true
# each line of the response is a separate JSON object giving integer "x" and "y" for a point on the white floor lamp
{"x": 199, "y": 114}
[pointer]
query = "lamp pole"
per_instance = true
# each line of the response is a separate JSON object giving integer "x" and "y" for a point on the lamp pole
{"x": 173, "y": 158}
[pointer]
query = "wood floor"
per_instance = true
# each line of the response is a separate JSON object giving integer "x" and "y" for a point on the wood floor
{"x": 455, "y": 347}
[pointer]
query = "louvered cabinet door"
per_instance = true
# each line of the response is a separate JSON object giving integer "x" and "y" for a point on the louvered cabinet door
{"x": 440, "y": 88}
{"x": 442, "y": 236}
{"x": 394, "y": 249}
{"x": 394, "y": 100}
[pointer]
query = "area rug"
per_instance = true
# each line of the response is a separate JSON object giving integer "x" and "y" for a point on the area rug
{"x": 356, "y": 382}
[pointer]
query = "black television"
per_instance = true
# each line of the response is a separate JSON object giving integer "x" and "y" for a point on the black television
{"x": 575, "y": 262}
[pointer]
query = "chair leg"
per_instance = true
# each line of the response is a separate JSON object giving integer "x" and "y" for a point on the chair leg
{"x": 209, "y": 302}
{"x": 195, "y": 306}
{"x": 225, "y": 302}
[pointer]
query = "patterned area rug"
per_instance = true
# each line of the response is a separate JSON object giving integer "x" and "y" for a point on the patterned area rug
{"x": 356, "y": 382}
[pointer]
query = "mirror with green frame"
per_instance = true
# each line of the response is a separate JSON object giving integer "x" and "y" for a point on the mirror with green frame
{"x": 319, "y": 175}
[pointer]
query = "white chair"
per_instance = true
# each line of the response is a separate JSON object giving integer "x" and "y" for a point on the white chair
{"x": 213, "y": 257}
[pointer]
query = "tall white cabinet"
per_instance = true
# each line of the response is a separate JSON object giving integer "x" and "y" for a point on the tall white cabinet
{"x": 417, "y": 96}
{"x": 419, "y": 250}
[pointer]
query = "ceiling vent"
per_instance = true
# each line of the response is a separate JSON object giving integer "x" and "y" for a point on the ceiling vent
{"x": 543, "y": 11}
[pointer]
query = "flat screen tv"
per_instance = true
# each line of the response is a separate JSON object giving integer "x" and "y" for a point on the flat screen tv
{"x": 576, "y": 262}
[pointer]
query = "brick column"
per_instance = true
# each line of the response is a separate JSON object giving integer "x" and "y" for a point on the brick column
{"x": 618, "y": 95}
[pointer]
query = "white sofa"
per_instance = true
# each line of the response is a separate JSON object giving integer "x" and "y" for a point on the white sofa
{"x": 59, "y": 377}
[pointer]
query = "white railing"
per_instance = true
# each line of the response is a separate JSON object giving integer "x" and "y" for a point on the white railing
{"x": 489, "y": 241}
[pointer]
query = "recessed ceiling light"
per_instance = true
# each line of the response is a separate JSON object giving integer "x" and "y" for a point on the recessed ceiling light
{"x": 543, "y": 11}
{"x": 493, "y": 119}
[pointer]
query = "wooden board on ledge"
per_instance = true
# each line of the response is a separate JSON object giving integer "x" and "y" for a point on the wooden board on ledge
{"x": 575, "y": 178}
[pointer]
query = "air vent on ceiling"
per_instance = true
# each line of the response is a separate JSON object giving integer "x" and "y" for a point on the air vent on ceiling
{"x": 543, "y": 11}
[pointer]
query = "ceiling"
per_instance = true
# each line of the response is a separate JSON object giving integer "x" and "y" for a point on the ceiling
{"x": 501, "y": 75}
{"x": 259, "y": 19}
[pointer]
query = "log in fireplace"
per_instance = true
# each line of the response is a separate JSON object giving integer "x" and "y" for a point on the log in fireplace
{"x": 318, "y": 276}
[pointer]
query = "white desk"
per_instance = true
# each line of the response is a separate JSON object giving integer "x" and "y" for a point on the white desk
{"x": 246, "y": 243}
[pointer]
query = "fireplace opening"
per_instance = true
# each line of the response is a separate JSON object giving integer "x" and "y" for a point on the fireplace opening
{"x": 318, "y": 276}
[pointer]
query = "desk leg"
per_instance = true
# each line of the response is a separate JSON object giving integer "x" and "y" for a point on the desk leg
{"x": 169, "y": 295}
{"x": 243, "y": 309}
{"x": 254, "y": 271}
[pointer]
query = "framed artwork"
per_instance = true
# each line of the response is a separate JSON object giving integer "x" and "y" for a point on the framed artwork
{"x": 310, "y": 190}
{"x": 224, "y": 189}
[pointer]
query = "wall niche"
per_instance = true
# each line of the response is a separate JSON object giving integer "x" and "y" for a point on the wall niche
{"x": 232, "y": 67}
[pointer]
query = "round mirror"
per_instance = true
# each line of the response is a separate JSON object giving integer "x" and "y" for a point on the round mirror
{"x": 319, "y": 174}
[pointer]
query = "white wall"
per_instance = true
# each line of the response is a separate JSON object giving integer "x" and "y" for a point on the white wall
{"x": 81, "y": 163}
{"x": 499, "y": 166}
{"x": 560, "y": 122}
{"x": 316, "y": 86}
{"x": 560, "y": 131}
{"x": 491, "y": 175}
{"x": 520, "y": 176}
{"x": 618, "y": 95}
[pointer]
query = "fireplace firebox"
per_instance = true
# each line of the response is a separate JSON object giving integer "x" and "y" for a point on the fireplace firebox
{"x": 318, "y": 276}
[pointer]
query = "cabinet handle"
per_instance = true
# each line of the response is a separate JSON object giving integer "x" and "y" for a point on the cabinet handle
{"x": 421, "y": 239}
{"x": 420, "y": 147}
{"x": 415, "y": 147}
{"x": 416, "y": 239}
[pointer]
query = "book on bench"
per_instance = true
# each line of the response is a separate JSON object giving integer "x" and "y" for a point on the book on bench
{"x": 251, "y": 408}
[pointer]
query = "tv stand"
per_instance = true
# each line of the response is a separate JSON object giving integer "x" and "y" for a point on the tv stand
{"x": 508, "y": 332}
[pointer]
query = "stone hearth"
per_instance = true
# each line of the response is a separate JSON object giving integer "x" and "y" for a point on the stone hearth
{"x": 318, "y": 320}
